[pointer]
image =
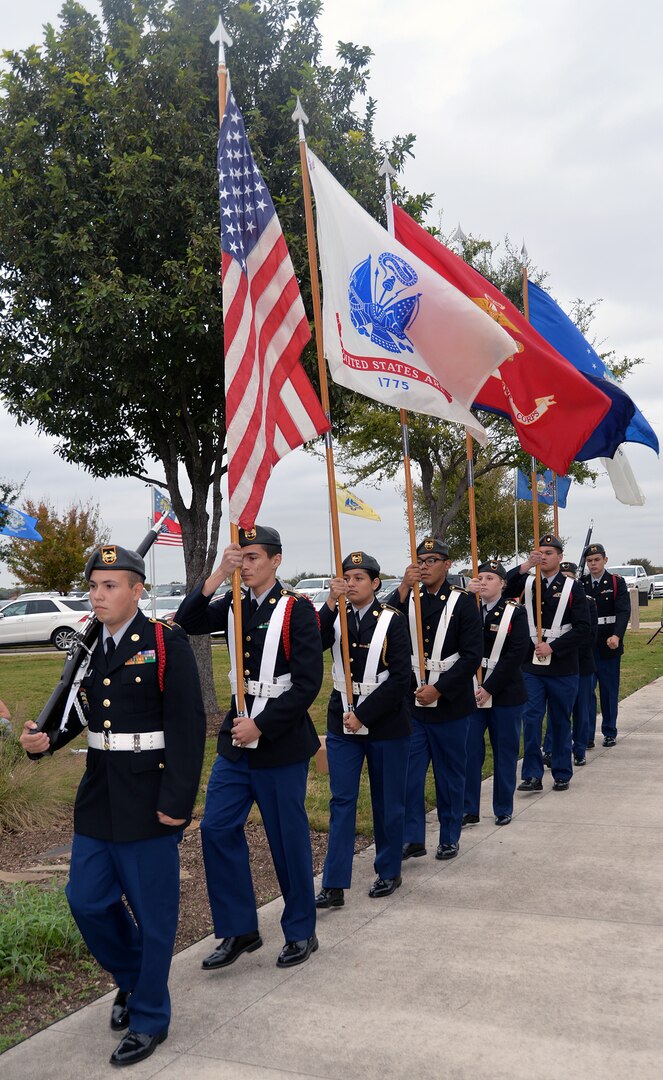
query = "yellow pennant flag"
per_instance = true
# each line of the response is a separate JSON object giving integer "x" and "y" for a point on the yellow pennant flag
{"x": 350, "y": 504}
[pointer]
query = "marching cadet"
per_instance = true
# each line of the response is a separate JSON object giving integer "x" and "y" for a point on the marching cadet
{"x": 374, "y": 727}
{"x": 501, "y": 697}
{"x": 141, "y": 701}
{"x": 614, "y": 610}
{"x": 551, "y": 668}
{"x": 440, "y": 709}
{"x": 580, "y": 714}
{"x": 264, "y": 755}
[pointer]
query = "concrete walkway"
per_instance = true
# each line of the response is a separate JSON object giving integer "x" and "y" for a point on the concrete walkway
{"x": 538, "y": 953}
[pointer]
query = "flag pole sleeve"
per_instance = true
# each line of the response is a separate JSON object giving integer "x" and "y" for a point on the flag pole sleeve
{"x": 419, "y": 644}
{"x": 237, "y": 620}
{"x": 324, "y": 399}
{"x": 473, "y": 523}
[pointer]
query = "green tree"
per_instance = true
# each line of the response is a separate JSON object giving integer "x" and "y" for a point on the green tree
{"x": 111, "y": 334}
{"x": 55, "y": 564}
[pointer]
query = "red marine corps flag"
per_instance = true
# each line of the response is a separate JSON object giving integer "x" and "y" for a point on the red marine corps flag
{"x": 271, "y": 407}
{"x": 550, "y": 404}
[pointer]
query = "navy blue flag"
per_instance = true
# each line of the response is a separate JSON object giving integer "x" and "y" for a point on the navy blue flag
{"x": 18, "y": 524}
{"x": 556, "y": 327}
{"x": 544, "y": 488}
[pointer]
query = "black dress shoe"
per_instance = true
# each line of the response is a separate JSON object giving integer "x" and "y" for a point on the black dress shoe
{"x": 591, "y": 745}
{"x": 136, "y": 1046}
{"x": 447, "y": 851}
{"x": 327, "y": 898}
{"x": 579, "y": 761}
{"x": 120, "y": 1012}
{"x": 531, "y": 783}
{"x": 503, "y": 819}
{"x": 609, "y": 741}
{"x": 560, "y": 785}
{"x": 296, "y": 952}
{"x": 470, "y": 819}
{"x": 230, "y": 948}
{"x": 384, "y": 886}
{"x": 547, "y": 760}
{"x": 413, "y": 851}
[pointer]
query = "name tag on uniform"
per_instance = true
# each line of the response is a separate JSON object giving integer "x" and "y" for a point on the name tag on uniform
{"x": 148, "y": 656}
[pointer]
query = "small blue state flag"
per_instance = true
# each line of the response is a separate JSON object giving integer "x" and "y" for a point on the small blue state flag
{"x": 18, "y": 524}
{"x": 545, "y": 488}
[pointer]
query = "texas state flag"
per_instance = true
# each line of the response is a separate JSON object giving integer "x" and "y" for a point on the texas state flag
{"x": 553, "y": 408}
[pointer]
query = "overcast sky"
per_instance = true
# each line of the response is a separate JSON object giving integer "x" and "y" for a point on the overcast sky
{"x": 543, "y": 122}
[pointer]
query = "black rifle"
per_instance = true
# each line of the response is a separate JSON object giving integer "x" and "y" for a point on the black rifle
{"x": 52, "y": 715}
{"x": 581, "y": 561}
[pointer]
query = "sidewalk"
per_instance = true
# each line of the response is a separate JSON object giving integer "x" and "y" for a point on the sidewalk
{"x": 537, "y": 953}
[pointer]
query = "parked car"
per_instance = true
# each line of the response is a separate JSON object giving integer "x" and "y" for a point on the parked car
{"x": 165, "y": 606}
{"x": 387, "y": 588}
{"x": 655, "y": 586}
{"x": 319, "y": 599}
{"x": 40, "y": 618}
{"x": 635, "y": 576}
{"x": 175, "y": 588}
{"x": 309, "y": 586}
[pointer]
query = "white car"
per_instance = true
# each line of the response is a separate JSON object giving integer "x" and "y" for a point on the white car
{"x": 41, "y": 618}
{"x": 309, "y": 586}
{"x": 656, "y": 586}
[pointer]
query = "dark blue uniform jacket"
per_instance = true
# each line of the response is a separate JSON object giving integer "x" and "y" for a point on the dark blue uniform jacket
{"x": 505, "y": 682}
{"x": 464, "y": 636}
{"x": 565, "y": 648}
{"x": 287, "y": 731}
{"x": 385, "y": 711}
{"x": 611, "y": 598}
{"x": 122, "y": 790}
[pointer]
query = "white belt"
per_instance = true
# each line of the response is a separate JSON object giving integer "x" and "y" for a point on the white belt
{"x": 607, "y": 619}
{"x": 550, "y": 635}
{"x": 488, "y": 664}
{"x": 358, "y": 688}
{"x": 140, "y": 740}
{"x": 442, "y": 665}
{"x": 270, "y": 688}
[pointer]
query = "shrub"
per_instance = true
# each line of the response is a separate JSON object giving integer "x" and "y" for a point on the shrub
{"x": 33, "y": 793}
{"x": 36, "y": 924}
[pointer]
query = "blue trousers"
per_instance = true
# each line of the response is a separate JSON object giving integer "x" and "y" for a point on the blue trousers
{"x": 136, "y": 953}
{"x": 445, "y": 745}
{"x": 580, "y": 717}
{"x": 607, "y": 675}
{"x": 279, "y": 793}
{"x": 503, "y": 724}
{"x": 387, "y": 761}
{"x": 556, "y": 695}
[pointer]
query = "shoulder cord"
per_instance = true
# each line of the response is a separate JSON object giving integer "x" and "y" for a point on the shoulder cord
{"x": 161, "y": 654}
{"x": 286, "y": 622}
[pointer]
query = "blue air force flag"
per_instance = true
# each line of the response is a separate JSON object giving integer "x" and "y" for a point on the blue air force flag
{"x": 393, "y": 329}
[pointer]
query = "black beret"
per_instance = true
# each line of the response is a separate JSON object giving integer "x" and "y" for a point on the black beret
{"x": 430, "y": 545}
{"x": 593, "y": 549}
{"x": 551, "y": 541}
{"x": 492, "y": 567}
{"x": 568, "y": 568}
{"x": 259, "y": 534}
{"x": 359, "y": 560}
{"x": 114, "y": 557}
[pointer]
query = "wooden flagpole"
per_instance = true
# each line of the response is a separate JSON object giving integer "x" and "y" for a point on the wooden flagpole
{"x": 535, "y": 494}
{"x": 387, "y": 170}
{"x": 300, "y": 118}
{"x": 222, "y": 37}
{"x": 555, "y": 505}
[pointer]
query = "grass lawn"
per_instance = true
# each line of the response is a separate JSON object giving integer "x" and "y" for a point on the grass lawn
{"x": 27, "y": 681}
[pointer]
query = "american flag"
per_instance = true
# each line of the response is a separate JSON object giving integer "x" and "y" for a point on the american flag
{"x": 271, "y": 407}
{"x": 171, "y": 530}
